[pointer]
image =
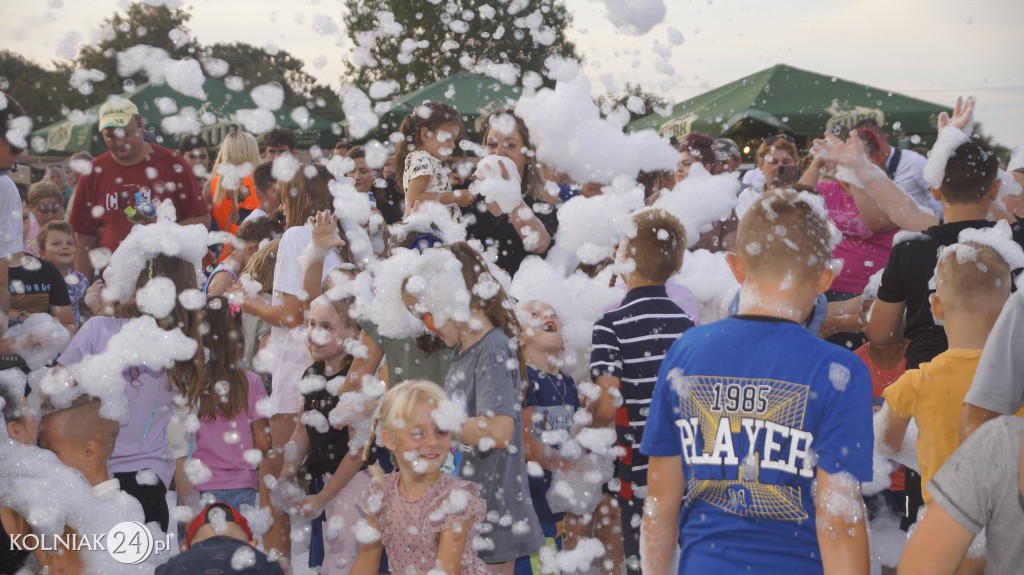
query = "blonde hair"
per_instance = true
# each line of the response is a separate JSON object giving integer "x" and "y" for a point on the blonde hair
{"x": 237, "y": 148}
{"x": 973, "y": 277}
{"x": 785, "y": 231}
{"x": 261, "y": 265}
{"x": 398, "y": 404}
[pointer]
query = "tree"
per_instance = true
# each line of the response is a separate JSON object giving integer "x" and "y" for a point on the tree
{"x": 256, "y": 66}
{"x": 649, "y": 100}
{"x": 156, "y": 26}
{"x": 43, "y": 93}
{"x": 419, "y": 42}
{"x": 1002, "y": 151}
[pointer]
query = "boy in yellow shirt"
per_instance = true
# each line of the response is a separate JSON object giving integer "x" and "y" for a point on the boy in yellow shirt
{"x": 973, "y": 283}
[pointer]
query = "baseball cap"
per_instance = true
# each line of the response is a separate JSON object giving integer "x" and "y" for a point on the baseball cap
{"x": 117, "y": 113}
{"x": 726, "y": 148}
{"x": 230, "y": 514}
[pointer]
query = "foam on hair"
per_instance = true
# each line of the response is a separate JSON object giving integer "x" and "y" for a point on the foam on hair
{"x": 784, "y": 232}
{"x": 972, "y": 277}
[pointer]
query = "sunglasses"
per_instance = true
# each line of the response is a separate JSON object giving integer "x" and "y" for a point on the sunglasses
{"x": 772, "y": 139}
{"x": 48, "y": 208}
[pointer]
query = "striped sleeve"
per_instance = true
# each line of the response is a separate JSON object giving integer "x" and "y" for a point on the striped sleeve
{"x": 605, "y": 353}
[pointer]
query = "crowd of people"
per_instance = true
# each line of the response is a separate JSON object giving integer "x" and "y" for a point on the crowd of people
{"x": 364, "y": 365}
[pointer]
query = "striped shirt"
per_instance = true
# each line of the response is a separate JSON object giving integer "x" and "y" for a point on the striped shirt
{"x": 629, "y": 343}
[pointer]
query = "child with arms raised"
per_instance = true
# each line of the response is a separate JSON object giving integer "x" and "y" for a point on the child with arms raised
{"x": 485, "y": 376}
{"x": 427, "y": 519}
{"x": 429, "y": 134}
{"x": 741, "y": 404}
{"x": 550, "y": 402}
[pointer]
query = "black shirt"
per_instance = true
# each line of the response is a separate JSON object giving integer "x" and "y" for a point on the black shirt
{"x": 909, "y": 277}
{"x": 326, "y": 450}
{"x": 36, "y": 285}
{"x": 214, "y": 555}
{"x": 499, "y": 232}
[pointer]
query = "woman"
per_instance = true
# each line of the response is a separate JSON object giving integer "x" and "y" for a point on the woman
{"x": 519, "y": 232}
{"x": 774, "y": 152}
{"x": 230, "y": 194}
{"x": 696, "y": 147}
{"x": 46, "y": 202}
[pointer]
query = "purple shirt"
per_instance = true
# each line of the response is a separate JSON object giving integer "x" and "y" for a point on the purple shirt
{"x": 863, "y": 251}
{"x": 142, "y": 442}
{"x": 220, "y": 444}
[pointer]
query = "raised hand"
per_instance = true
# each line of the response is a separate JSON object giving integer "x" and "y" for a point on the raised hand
{"x": 325, "y": 230}
{"x": 850, "y": 153}
{"x": 963, "y": 115}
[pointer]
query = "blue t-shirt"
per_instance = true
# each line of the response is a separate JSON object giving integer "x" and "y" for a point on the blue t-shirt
{"x": 629, "y": 343}
{"x": 554, "y": 400}
{"x": 805, "y": 403}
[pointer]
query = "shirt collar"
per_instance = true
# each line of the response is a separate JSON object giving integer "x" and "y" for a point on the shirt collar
{"x": 105, "y": 489}
{"x": 645, "y": 291}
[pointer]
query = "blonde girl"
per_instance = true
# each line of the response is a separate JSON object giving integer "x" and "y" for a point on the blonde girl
{"x": 231, "y": 188}
{"x": 427, "y": 519}
{"x": 486, "y": 376}
{"x": 429, "y": 135}
{"x": 336, "y": 477}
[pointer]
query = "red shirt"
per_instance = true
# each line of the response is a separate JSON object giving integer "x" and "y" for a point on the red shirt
{"x": 881, "y": 379}
{"x": 103, "y": 194}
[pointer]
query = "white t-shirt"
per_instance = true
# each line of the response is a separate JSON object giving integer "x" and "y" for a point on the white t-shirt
{"x": 909, "y": 178}
{"x": 287, "y": 350}
{"x": 10, "y": 218}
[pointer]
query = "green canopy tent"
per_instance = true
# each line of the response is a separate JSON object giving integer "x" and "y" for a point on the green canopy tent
{"x": 217, "y": 116}
{"x": 800, "y": 103}
{"x": 472, "y": 95}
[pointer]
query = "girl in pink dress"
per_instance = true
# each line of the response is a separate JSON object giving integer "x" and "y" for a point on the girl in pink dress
{"x": 425, "y": 518}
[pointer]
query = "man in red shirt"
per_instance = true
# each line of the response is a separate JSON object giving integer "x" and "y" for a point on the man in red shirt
{"x": 131, "y": 166}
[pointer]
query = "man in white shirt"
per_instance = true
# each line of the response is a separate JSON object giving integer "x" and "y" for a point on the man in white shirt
{"x": 904, "y": 167}
{"x": 13, "y": 129}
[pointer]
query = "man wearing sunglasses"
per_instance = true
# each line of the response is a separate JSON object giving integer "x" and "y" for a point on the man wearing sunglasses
{"x": 10, "y": 200}
{"x": 133, "y": 171}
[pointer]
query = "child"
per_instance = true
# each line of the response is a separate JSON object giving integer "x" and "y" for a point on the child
{"x": 36, "y": 286}
{"x": 485, "y": 376}
{"x": 46, "y": 202}
{"x": 337, "y": 477}
{"x": 549, "y": 405}
{"x": 628, "y": 345}
{"x": 429, "y": 134}
{"x": 265, "y": 187}
{"x": 253, "y": 233}
{"x": 416, "y": 509}
{"x": 57, "y": 246}
{"x": 229, "y": 194}
{"x": 229, "y": 422}
{"x": 973, "y": 283}
{"x": 752, "y": 413}
{"x": 260, "y": 268}
{"x": 215, "y": 538}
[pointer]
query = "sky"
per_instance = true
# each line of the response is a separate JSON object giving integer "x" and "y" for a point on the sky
{"x": 934, "y": 50}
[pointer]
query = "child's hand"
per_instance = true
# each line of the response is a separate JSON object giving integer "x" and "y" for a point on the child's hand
{"x": 963, "y": 116}
{"x": 849, "y": 153}
{"x": 464, "y": 198}
{"x": 325, "y": 234}
{"x": 310, "y": 507}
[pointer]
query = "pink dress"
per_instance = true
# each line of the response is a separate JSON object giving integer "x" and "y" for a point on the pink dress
{"x": 411, "y": 530}
{"x": 863, "y": 251}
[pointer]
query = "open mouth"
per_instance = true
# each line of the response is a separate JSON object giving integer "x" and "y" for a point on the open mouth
{"x": 549, "y": 326}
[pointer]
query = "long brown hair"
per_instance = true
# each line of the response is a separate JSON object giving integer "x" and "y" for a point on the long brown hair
{"x": 533, "y": 178}
{"x": 437, "y": 115}
{"x": 307, "y": 195}
{"x": 223, "y": 338}
{"x": 185, "y": 376}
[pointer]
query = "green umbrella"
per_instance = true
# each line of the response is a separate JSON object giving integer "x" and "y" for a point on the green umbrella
{"x": 472, "y": 95}
{"x": 216, "y": 114}
{"x": 800, "y": 103}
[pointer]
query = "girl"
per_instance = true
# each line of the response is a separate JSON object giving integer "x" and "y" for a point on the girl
{"x": 260, "y": 268}
{"x": 429, "y": 134}
{"x": 485, "y": 375}
{"x": 549, "y": 405}
{"x": 229, "y": 423}
{"x": 336, "y": 477}
{"x": 46, "y": 200}
{"x": 142, "y": 443}
{"x": 57, "y": 245}
{"x": 252, "y": 233}
{"x": 230, "y": 194}
{"x": 417, "y": 509}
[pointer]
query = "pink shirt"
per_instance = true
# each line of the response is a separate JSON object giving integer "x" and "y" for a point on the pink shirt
{"x": 221, "y": 444}
{"x": 863, "y": 251}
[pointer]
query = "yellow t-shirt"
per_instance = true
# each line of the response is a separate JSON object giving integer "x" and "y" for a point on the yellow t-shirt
{"x": 933, "y": 394}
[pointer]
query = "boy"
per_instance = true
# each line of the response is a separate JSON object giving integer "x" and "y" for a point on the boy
{"x": 219, "y": 540}
{"x": 57, "y": 246}
{"x": 265, "y": 185}
{"x": 968, "y": 189}
{"x": 629, "y": 343}
{"x": 752, "y": 411}
{"x": 973, "y": 283}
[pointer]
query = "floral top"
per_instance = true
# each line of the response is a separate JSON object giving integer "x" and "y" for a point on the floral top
{"x": 77, "y": 284}
{"x": 420, "y": 163}
{"x": 410, "y": 530}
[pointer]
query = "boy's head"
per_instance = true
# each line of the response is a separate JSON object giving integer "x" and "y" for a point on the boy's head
{"x": 278, "y": 141}
{"x": 219, "y": 519}
{"x": 971, "y": 174}
{"x": 57, "y": 242}
{"x": 657, "y": 247}
{"x": 79, "y": 436}
{"x": 785, "y": 242}
{"x": 266, "y": 187}
{"x": 972, "y": 284}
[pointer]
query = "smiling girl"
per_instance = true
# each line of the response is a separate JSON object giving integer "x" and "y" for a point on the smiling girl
{"x": 429, "y": 134}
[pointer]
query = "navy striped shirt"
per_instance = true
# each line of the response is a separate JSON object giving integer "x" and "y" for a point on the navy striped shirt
{"x": 629, "y": 343}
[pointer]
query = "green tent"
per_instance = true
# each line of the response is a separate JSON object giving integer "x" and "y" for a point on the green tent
{"x": 472, "y": 95}
{"x": 800, "y": 103}
{"x": 216, "y": 116}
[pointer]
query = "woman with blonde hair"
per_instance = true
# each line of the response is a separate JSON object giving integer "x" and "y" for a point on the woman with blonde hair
{"x": 230, "y": 193}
